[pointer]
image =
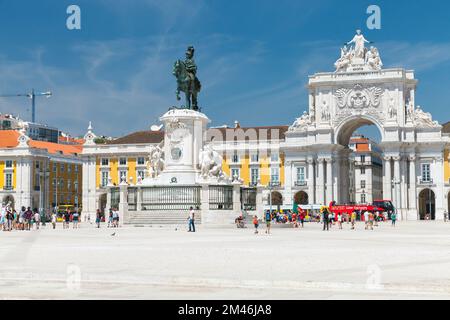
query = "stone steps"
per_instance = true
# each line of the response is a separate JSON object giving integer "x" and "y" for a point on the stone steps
{"x": 159, "y": 218}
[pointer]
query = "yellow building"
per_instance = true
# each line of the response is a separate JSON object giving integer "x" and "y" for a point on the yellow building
{"x": 39, "y": 174}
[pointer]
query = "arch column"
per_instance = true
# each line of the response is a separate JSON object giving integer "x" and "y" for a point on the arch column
{"x": 320, "y": 188}
{"x": 413, "y": 213}
{"x": 397, "y": 183}
{"x": 311, "y": 182}
{"x": 387, "y": 179}
{"x": 329, "y": 184}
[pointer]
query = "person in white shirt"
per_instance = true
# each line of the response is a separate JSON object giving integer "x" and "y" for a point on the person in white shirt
{"x": 366, "y": 219}
{"x": 37, "y": 219}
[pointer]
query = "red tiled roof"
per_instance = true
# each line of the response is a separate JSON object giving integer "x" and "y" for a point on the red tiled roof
{"x": 9, "y": 139}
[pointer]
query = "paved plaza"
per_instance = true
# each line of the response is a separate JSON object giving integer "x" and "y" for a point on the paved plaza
{"x": 411, "y": 261}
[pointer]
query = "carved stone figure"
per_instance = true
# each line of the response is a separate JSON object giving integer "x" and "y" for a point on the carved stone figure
{"x": 423, "y": 119}
{"x": 301, "y": 123}
{"x": 210, "y": 163}
{"x": 392, "y": 110}
{"x": 326, "y": 116}
{"x": 345, "y": 60}
{"x": 359, "y": 41}
{"x": 155, "y": 163}
{"x": 373, "y": 59}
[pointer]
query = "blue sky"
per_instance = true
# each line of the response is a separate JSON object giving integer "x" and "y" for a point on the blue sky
{"x": 254, "y": 56}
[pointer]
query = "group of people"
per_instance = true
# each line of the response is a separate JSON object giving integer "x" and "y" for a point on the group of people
{"x": 25, "y": 219}
{"x": 113, "y": 218}
{"x": 370, "y": 219}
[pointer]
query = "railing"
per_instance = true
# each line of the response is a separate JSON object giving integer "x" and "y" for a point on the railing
{"x": 115, "y": 197}
{"x": 132, "y": 199}
{"x": 173, "y": 198}
{"x": 301, "y": 183}
{"x": 430, "y": 181}
{"x": 248, "y": 199}
{"x": 221, "y": 198}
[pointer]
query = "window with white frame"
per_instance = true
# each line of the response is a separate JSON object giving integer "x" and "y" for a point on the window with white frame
{"x": 141, "y": 161}
{"x": 62, "y": 167}
{"x": 8, "y": 181}
{"x": 55, "y": 167}
{"x": 123, "y": 175}
{"x": 76, "y": 168}
{"x": 363, "y": 159}
{"x": 123, "y": 161}
{"x": 301, "y": 176}
{"x": 54, "y": 185}
{"x": 254, "y": 158}
{"x": 141, "y": 174}
{"x": 69, "y": 168}
{"x": 274, "y": 176}
{"x": 8, "y": 164}
{"x": 254, "y": 176}
{"x": 105, "y": 178}
{"x": 69, "y": 185}
{"x": 235, "y": 158}
{"x": 235, "y": 173}
{"x": 363, "y": 184}
{"x": 426, "y": 172}
{"x": 363, "y": 170}
{"x": 363, "y": 198}
{"x": 105, "y": 162}
{"x": 75, "y": 185}
{"x": 274, "y": 157}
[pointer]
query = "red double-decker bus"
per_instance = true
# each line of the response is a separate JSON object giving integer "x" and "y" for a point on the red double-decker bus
{"x": 382, "y": 206}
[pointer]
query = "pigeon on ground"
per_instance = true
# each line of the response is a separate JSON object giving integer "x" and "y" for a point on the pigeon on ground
{"x": 113, "y": 234}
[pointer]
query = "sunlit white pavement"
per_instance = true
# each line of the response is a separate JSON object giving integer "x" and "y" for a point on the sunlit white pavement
{"x": 411, "y": 261}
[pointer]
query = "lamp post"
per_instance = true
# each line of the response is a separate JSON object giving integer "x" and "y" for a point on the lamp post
{"x": 43, "y": 177}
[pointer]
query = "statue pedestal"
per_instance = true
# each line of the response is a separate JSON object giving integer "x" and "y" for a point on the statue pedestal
{"x": 183, "y": 140}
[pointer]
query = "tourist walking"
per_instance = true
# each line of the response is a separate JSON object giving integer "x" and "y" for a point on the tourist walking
{"x": 268, "y": 219}
{"x": 54, "y": 220}
{"x": 37, "y": 219}
{"x": 9, "y": 219}
{"x": 28, "y": 219}
{"x": 302, "y": 218}
{"x": 67, "y": 219}
{"x": 115, "y": 218}
{"x": 75, "y": 219}
{"x": 394, "y": 219}
{"x": 366, "y": 219}
{"x": 325, "y": 219}
{"x": 110, "y": 218}
{"x": 376, "y": 219}
{"x": 371, "y": 220}
{"x": 353, "y": 220}
{"x": 340, "y": 218}
{"x": 256, "y": 224}
{"x": 98, "y": 218}
{"x": 22, "y": 218}
{"x": 191, "y": 220}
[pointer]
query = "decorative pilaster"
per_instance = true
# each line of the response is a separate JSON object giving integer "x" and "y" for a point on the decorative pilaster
{"x": 387, "y": 179}
{"x": 123, "y": 204}
{"x": 329, "y": 183}
{"x": 397, "y": 182}
{"x": 320, "y": 182}
{"x": 412, "y": 189}
{"x": 311, "y": 182}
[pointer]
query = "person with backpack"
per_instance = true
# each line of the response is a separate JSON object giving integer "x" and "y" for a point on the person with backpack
{"x": 268, "y": 219}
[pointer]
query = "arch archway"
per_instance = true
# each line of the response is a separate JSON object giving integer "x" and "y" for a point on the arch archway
{"x": 277, "y": 198}
{"x": 301, "y": 198}
{"x": 102, "y": 203}
{"x": 346, "y": 128}
{"x": 9, "y": 199}
{"x": 359, "y": 159}
{"x": 427, "y": 205}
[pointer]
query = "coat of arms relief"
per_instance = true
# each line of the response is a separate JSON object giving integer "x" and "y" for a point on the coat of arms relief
{"x": 358, "y": 100}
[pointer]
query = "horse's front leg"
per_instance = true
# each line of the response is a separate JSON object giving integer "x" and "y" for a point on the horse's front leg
{"x": 178, "y": 94}
{"x": 188, "y": 100}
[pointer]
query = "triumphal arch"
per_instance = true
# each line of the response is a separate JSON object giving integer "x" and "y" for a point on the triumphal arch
{"x": 361, "y": 92}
